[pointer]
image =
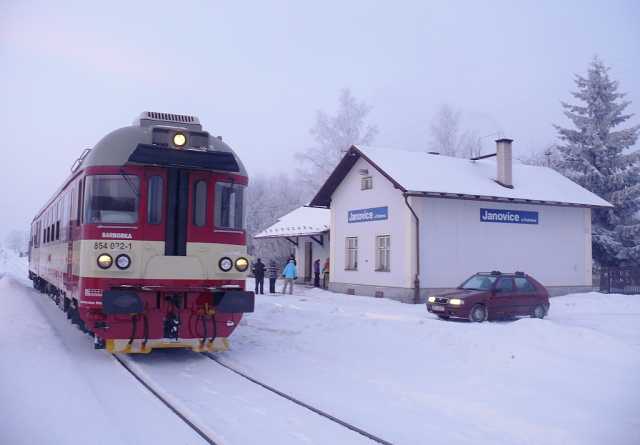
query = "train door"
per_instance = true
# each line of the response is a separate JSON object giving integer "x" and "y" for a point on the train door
{"x": 200, "y": 218}
{"x": 177, "y": 209}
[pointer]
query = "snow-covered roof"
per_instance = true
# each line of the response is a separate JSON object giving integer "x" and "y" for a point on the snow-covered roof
{"x": 300, "y": 222}
{"x": 420, "y": 172}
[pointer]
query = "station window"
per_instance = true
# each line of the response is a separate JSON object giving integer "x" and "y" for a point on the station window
{"x": 200, "y": 203}
{"x": 383, "y": 253}
{"x": 351, "y": 253}
{"x": 154, "y": 200}
{"x": 229, "y": 207}
{"x": 366, "y": 183}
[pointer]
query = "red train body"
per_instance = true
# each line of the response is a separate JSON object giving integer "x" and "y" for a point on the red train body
{"x": 144, "y": 245}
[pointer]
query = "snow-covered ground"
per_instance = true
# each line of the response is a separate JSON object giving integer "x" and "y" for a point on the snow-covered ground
{"x": 389, "y": 368}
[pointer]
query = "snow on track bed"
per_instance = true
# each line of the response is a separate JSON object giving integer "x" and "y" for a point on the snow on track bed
{"x": 56, "y": 389}
{"x": 185, "y": 417}
{"x": 300, "y": 403}
{"x": 239, "y": 411}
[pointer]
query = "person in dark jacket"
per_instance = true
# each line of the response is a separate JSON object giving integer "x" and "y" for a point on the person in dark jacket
{"x": 272, "y": 271}
{"x": 316, "y": 273}
{"x": 258, "y": 273}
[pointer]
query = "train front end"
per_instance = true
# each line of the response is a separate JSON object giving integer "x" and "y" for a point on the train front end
{"x": 159, "y": 252}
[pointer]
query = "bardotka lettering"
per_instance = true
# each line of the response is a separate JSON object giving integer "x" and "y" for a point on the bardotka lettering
{"x": 116, "y": 235}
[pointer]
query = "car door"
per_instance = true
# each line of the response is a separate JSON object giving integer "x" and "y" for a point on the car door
{"x": 526, "y": 296}
{"x": 504, "y": 297}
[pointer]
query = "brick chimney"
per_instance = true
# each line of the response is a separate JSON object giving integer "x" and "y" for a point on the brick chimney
{"x": 504, "y": 162}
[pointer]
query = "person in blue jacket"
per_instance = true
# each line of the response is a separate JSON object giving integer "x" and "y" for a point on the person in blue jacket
{"x": 290, "y": 273}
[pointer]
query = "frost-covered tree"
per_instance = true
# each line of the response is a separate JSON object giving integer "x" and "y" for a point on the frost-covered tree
{"x": 269, "y": 198}
{"x": 18, "y": 241}
{"x": 333, "y": 136}
{"x": 448, "y": 138}
{"x": 596, "y": 155}
{"x": 548, "y": 156}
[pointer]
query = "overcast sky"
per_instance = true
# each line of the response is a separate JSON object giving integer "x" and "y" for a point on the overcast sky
{"x": 256, "y": 72}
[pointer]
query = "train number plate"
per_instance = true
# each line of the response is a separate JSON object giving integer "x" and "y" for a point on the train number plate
{"x": 112, "y": 245}
{"x": 437, "y": 308}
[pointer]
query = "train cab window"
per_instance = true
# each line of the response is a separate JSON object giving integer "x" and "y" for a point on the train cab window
{"x": 229, "y": 208}
{"x": 200, "y": 203}
{"x": 154, "y": 200}
{"x": 111, "y": 199}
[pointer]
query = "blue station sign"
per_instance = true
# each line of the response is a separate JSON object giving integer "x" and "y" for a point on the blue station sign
{"x": 366, "y": 215}
{"x": 508, "y": 216}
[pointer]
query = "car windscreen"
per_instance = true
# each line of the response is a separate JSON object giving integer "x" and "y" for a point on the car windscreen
{"x": 479, "y": 282}
{"x": 111, "y": 199}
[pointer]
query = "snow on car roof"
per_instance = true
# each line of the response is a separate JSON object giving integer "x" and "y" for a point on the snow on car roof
{"x": 421, "y": 172}
{"x": 300, "y": 222}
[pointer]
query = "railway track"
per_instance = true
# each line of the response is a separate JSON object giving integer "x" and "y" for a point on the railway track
{"x": 299, "y": 402}
{"x": 202, "y": 431}
{"x": 184, "y": 417}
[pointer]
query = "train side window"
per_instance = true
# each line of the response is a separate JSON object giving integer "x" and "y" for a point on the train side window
{"x": 229, "y": 208}
{"x": 154, "y": 202}
{"x": 57, "y": 230}
{"x": 200, "y": 203}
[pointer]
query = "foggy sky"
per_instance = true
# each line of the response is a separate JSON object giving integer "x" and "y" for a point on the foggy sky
{"x": 256, "y": 72}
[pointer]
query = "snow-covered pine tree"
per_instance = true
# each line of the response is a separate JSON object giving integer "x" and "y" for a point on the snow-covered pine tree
{"x": 599, "y": 158}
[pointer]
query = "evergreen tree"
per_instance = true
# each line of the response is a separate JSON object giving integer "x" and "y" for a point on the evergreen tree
{"x": 599, "y": 158}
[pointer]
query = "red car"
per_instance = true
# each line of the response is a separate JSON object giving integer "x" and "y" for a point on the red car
{"x": 493, "y": 295}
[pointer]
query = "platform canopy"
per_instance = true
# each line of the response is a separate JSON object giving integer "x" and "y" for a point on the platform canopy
{"x": 303, "y": 221}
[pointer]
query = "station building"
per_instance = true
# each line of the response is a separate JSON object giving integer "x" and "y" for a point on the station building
{"x": 404, "y": 224}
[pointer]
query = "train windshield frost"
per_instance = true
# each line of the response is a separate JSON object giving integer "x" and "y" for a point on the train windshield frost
{"x": 229, "y": 206}
{"x": 111, "y": 199}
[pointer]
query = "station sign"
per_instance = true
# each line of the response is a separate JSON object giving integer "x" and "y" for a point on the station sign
{"x": 508, "y": 216}
{"x": 366, "y": 215}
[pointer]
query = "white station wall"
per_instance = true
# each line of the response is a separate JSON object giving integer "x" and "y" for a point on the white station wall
{"x": 349, "y": 196}
{"x": 454, "y": 243}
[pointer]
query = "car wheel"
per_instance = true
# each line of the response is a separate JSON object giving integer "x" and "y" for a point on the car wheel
{"x": 539, "y": 312}
{"x": 478, "y": 313}
{"x": 443, "y": 317}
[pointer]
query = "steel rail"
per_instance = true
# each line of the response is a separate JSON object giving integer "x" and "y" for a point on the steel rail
{"x": 168, "y": 404}
{"x": 299, "y": 402}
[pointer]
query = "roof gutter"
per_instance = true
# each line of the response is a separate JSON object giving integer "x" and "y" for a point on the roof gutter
{"x": 416, "y": 281}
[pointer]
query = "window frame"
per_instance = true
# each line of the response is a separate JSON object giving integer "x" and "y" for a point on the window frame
{"x": 531, "y": 288}
{"x": 82, "y": 198}
{"x": 217, "y": 215}
{"x": 379, "y": 250}
{"x": 151, "y": 204}
{"x": 500, "y": 280}
{"x": 348, "y": 252}
{"x": 366, "y": 182}
{"x": 197, "y": 202}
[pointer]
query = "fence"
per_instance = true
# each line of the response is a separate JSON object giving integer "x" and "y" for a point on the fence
{"x": 620, "y": 280}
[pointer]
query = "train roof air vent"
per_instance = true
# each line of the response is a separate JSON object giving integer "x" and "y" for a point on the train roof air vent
{"x": 149, "y": 118}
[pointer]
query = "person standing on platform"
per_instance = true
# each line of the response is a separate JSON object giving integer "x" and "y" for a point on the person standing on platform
{"x": 316, "y": 273}
{"x": 325, "y": 274}
{"x": 258, "y": 273}
{"x": 290, "y": 273}
{"x": 272, "y": 271}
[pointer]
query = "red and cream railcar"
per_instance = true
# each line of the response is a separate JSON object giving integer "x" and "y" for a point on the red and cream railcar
{"x": 144, "y": 245}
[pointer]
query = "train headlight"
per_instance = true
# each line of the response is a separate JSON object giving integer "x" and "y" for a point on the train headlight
{"x": 123, "y": 261}
{"x": 225, "y": 264}
{"x": 242, "y": 264}
{"x": 104, "y": 261}
{"x": 179, "y": 139}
